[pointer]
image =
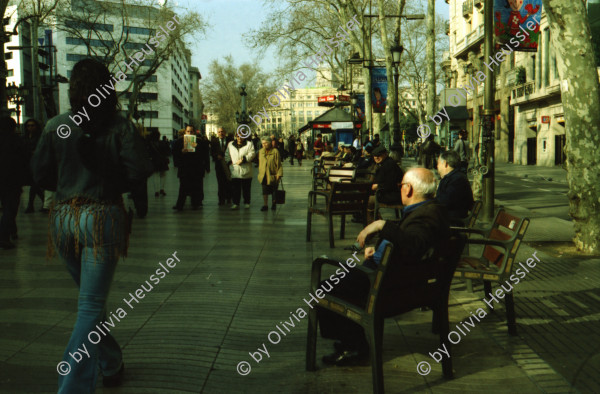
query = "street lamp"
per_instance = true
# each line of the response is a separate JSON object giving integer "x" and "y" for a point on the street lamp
{"x": 15, "y": 95}
{"x": 396, "y": 148}
{"x": 244, "y": 116}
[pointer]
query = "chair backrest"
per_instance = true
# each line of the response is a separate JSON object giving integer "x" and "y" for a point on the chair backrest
{"x": 341, "y": 174}
{"x": 348, "y": 197}
{"x": 472, "y": 218}
{"x": 510, "y": 229}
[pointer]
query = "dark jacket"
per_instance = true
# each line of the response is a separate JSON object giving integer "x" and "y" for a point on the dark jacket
{"x": 454, "y": 192}
{"x": 118, "y": 159}
{"x": 13, "y": 161}
{"x": 418, "y": 231}
{"x": 428, "y": 154}
{"x": 215, "y": 148}
{"x": 191, "y": 164}
{"x": 387, "y": 177}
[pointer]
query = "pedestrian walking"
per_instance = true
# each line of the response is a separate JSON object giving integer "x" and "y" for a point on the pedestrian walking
{"x": 239, "y": 156}
{"x": 13, "y": 171}
{"x": 270, "y": 172}
{"x": 33, "y": 131}
{"x": 89, "y": 227}
{"x": 428, "y": 154}
{"x": 299, "y": 151}
{"x": 462, "y": 148}
{"x": 139, "y": 189}
{"x": 191, "y": 165}
{"x": 218, "y": 147}
{"x": 292, "y": 148}
{"x": 159, "y": 155}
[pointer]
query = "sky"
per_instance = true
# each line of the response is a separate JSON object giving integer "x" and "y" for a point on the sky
{"x": 228, "y": 20}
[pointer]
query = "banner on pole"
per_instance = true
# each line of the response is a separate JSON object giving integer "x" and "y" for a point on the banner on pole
{"x": 518, "y": 22}
{"x": 378, "y": 89}
{"x": 359, "y": 108}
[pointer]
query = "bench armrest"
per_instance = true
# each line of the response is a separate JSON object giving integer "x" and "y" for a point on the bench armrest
{"x": 469, "y": 230}
{"x": 494, "y": 242}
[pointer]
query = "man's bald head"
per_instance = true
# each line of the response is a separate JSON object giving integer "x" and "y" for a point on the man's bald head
{"x": 418, "y": 185}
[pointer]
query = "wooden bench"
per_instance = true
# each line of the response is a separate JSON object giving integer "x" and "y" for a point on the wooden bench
{"x": 495, "y": 264}
{"x": 429, "y": 286}
{"x": 321, "y": 169}
{"x": 343, "y": 199}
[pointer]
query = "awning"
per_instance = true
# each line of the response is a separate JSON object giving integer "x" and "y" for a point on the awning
{"x": 457, "y": 113}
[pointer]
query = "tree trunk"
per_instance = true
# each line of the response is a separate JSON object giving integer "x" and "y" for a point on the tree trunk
{"x": 431, "y": 91}
{"x": 392, "y": 94}
{"x": 581, "y": 102}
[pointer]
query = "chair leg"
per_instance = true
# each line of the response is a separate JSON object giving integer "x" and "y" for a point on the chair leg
{"x": 308, "y": 225}
{"x": 487, "y": 287}
{"x": 343, "y": 227}
{"x": 375, "y": 338}
{"x": 311, "y": 341}
{"x": 331, "y": 242}
{"x": 397, "y": 213}
{"x": 509, "y": 303}
{"x": 443, "y": 325}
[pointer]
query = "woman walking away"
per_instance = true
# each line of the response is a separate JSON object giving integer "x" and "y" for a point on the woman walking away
{"x": 89, "y": 228}
{"x": 270, "y": 172}
{"x": 159, "y": 155}
{"x": 239, "y": 156}
{"x": 299, "y": 151}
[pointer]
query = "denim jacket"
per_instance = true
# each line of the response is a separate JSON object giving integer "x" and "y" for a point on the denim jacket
{"x": 121, "y": 160}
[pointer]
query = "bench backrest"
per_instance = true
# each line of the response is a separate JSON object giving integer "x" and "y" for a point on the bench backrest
{"x": 473, "y": 214}
{"x": 341, "y": 174}
{"x": 509, "y": 229}
{"x": 348, "y": 197}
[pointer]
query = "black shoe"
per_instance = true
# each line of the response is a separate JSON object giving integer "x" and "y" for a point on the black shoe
{"x": 221, "y": 202}
{"x": 7, "y": 245}
{"x": 156, "y": 194}
{"x": 44, "y": 210}
{"x": 273, "y": 207}
{"x": 340, "y": 347}
{"x": 347, "y": 358}
{"x": 29, "y": 210}
{"x": 162, "y": 192}
{"x": 114, "y": 380}
{"x": 264, "y": 208}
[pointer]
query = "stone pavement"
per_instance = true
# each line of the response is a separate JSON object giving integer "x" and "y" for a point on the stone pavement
{"x": 244, "y": 272}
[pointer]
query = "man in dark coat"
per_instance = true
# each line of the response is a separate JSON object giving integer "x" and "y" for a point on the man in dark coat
{"x": 217, "y": 150}
{"x": 429, "y": 152}
{"x": 424, "y": 225}
{"x": 385, "y": 182}
{"x": 191, "y": 165}
{"x": 454, "y": 190}
{"x": 13, "y": 171}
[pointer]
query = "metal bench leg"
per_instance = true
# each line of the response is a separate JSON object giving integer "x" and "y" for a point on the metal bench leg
{"x": 311, "y": 341}
{"x": 375, "y": 338}
{"x": 470, "y": 285}
{"x": 487, "y": 288}
{"x": 331, "y": 242}
{"x": 397, "y": 213}
{"x": 509, "y": 303}
{"x": 343, "y": 227}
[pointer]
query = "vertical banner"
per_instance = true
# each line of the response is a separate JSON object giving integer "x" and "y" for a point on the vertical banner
{"x": 378, "y": 89}
{"x": 518, "y": 21}
{"x": 359, "y": 108}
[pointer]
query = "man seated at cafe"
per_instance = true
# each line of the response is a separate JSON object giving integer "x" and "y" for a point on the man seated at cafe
{"x": 385, "y": 183}
{"x": 454, "y": 190}
{"x": 424, "y": 225}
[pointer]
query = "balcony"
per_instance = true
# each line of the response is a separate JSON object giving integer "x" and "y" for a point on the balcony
{"x": 447, "y": 25}
{"x": 523, "y": 91}
{"x": 473, "y": 38}
{"x": 479, "y": 4}
{"x": 467, "y": 8}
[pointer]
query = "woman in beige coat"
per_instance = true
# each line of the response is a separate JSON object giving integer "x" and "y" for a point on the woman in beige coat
{"x": 270, "y": 171}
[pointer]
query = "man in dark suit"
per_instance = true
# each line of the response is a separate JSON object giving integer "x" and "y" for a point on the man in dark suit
{"x": 218, "y": 148}
{"x": 423, "y": 226}
{"x": 385, "y": 183}
{"x": 454, "y": 190}
{"x": 191, "y": 165}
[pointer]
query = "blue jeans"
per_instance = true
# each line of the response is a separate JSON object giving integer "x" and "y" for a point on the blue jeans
{"x": 93, "y": 272}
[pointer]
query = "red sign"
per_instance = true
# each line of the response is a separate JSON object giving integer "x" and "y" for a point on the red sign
{"x": 324, "y": 99}
{"x": 545, "y": 119}
{"x": 343, "y": 97}
{"x": 321, "y": 126}
{"x": 204, "y": 116}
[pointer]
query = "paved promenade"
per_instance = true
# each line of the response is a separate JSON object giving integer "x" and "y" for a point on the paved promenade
{"x": 241, "y": 274}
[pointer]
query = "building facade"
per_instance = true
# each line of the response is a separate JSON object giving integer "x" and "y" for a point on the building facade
{"x": 529, "y": 121}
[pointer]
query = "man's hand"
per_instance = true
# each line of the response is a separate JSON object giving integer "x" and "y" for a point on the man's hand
{"x": 374, "y": 187}
{"x": 278, "y": 178}
{"x": 372, "y": 228}
{"x": 369, "y": 252}
{"x": 240, "y": 161}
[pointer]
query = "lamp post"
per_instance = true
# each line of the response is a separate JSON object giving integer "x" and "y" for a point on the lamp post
{"x": 396, "y": 148}
{"x": 15, "y": 95}
{"x": 244, "y": 116}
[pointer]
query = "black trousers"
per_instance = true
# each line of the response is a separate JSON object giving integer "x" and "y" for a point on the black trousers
{"x": 10, "y": 206}
{"x": 35, "y": 190}
{"x": 240, "y": 186}
{"x": 193, "y": 187}
{"x": 354, "y": 288}
{"x": 223, "y": 182}
{"x": 139, "y": 193}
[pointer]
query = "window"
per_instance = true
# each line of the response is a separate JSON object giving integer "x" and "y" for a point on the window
{"x": 10, "y": 73}
{"x": 8, "y": 56}
{"x": 134, "y": 45}
{"x": 75, "y": 57}
{"x": 152, "y": 78}
{"x": 91, "y": 42}
{"x": 82, "y": 25}
{"x": 139, "y": 30}
{"x": 144, "y": 96}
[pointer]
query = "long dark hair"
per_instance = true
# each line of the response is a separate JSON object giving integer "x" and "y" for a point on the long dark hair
{"x": 90, "y": 77}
